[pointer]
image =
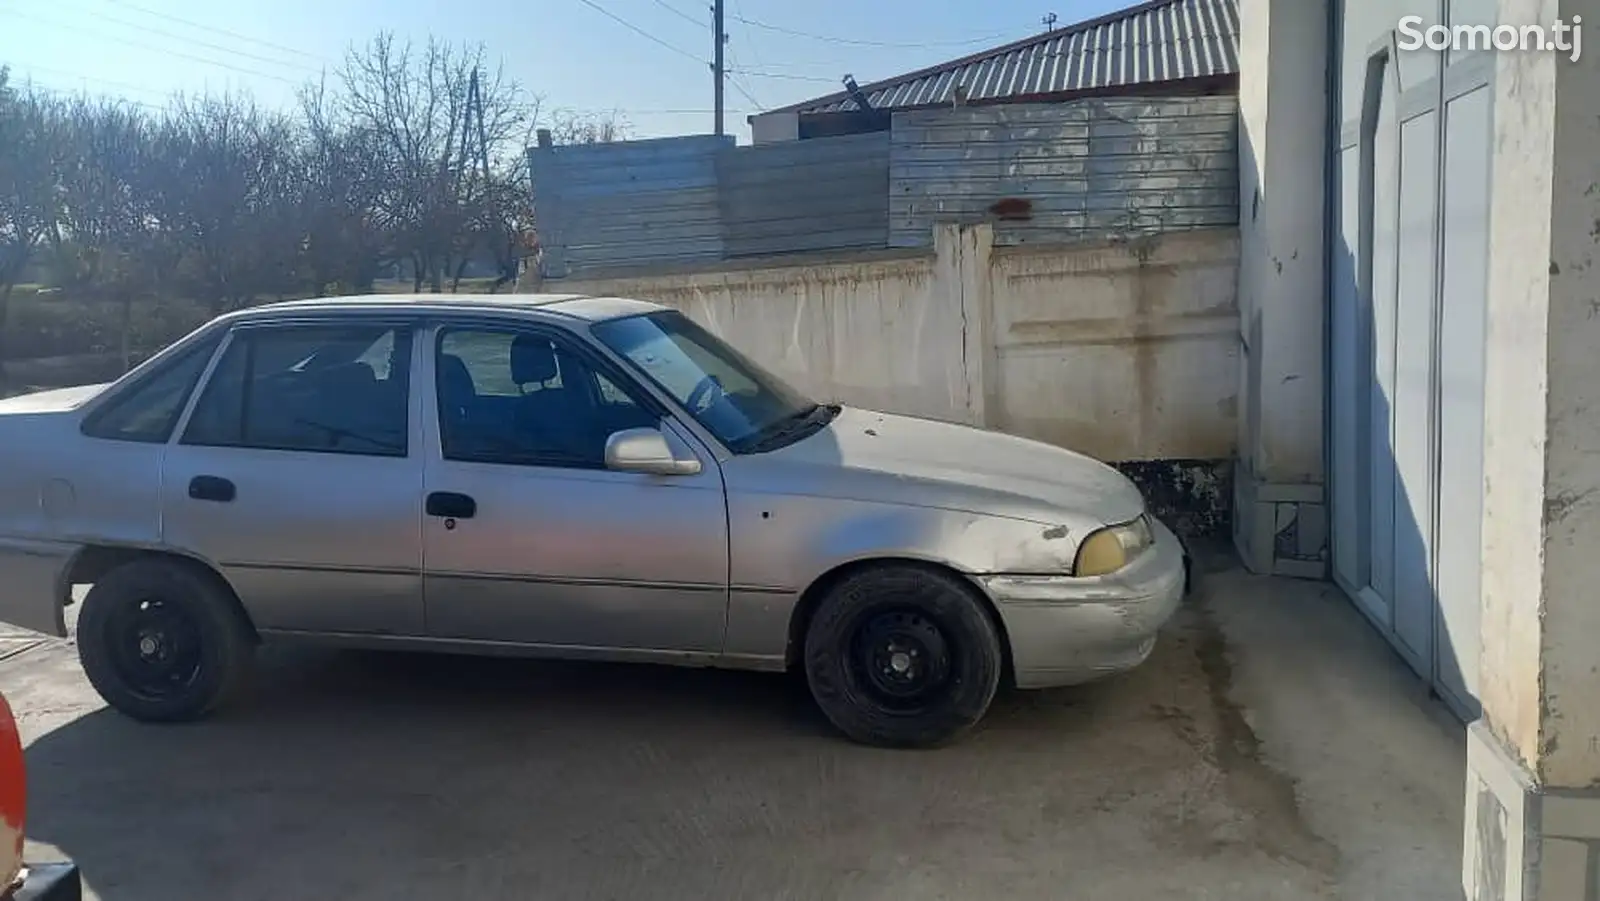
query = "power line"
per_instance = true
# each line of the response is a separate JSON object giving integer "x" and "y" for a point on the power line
{"x": 142, "y": 46}
{"x": 785, "y": 76}
{"x": 863, "y": 43}
{"x": 27, "y": 75}
{"x": 63, "y": 92}
{"x": 733, "y": 57}
{"x": 178, "y": 37}
{"x": 223, "y": 31}
{"x": 637, "y": 30}
{"x": 679, "y": 13}
{"x": 673, "y": 112}
{"x": 755, "y": 55}
{"x": 747, "y": 95}
{"x": 109, "y": 82}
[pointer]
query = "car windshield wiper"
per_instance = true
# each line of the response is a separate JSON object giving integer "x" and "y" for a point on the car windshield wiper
{"x": 790, "y": 429}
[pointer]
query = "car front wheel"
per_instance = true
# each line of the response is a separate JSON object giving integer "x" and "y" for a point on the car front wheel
{"x": 163, "y": 640}
{"x": 902, "y": 656}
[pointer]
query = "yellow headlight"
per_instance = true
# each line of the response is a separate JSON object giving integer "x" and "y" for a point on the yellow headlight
{"x": 1100, "y": 553}
{"x": 1113, "y": 547}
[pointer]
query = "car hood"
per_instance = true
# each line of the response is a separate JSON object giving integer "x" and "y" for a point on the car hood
{"x": 940, "y": 464}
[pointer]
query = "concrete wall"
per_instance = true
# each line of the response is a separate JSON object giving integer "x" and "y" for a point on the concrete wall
{"x": 1540, "y": 674}
{"x": 1533, "y": 784}
{"x": 1123, "y": 351}
{"x": 1127, "y": 351}
{"x": 1281, "y": 515}
{"x": 881, "y": 330}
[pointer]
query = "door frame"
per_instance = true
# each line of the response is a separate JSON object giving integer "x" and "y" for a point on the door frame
{"x": 411, "y": 458}
{"x": 1452, "y": 79}
{"x": 670, "y": 421}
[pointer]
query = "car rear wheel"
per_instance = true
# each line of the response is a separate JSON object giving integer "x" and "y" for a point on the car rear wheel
{"x": 902, "y": 657}
{"x": 163, "y": 640}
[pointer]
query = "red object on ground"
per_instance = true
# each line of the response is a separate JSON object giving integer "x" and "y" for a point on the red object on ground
{"x": 13, "y": 797}
{"x": 41, "y": 882}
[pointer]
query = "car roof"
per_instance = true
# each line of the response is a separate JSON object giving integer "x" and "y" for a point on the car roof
{"x": 566, "y": 306}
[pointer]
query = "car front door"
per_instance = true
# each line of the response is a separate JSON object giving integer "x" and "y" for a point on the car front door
{"x": 296, "y": 475}
{"x": 529, "y": 538}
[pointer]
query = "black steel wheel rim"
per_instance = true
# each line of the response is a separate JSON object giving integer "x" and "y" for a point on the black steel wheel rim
{"x": 901, "y": 659}
{"x": 155, "y": 648}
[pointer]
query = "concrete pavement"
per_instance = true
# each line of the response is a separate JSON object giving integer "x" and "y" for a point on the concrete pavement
{"x": 1272, "y": 748}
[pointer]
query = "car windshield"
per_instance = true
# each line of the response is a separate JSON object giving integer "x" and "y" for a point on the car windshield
{"x": 748, "y": 408}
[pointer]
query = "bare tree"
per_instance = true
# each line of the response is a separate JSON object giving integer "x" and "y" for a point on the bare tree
{"x": 568, "y": 126}
{"x": 344, "y": 241}
{"x": 228, "y": 190}
{"x": 408, "y": 153}
{"x": 109, "y": 244}
{"x": 30, "y": 149}
{"x": 414, "y": 104}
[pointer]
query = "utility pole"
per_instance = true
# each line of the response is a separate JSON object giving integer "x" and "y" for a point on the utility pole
{"x": 717, "y": 68}
{"x": 483, "y": 135}
{"x": 466, "y": 131}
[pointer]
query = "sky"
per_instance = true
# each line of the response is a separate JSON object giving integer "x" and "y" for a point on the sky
{"x": 646, "y": 60}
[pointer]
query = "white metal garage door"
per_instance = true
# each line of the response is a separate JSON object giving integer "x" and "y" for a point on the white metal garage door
{"x": 1407, "y": 295}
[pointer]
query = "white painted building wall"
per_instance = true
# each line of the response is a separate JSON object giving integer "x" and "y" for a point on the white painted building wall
{"x": 1463, "y": 442}
{"x": 1280, "y": 507}
{"x": 770, "y": 128}
{"x": 1127, "y": 350}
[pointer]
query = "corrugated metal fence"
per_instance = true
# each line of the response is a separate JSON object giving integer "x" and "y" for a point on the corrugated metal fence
{"x": 1041, "y": 172}
{"x": 631, "y": 203}
{"x": 1086, "y": 169}
{"x": 796, "y": 196}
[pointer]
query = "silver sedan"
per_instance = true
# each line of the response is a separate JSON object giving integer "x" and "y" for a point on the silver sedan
{"x": 574, "y": 477}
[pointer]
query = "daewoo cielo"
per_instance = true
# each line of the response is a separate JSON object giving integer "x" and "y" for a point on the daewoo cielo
{"x": 562, "y": 476}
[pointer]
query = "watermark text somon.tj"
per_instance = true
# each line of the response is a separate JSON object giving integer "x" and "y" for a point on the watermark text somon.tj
{"x": 1560, "y": 36}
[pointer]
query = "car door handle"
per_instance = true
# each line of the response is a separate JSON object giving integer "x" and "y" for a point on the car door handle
{"x": 450, "y": 505}
{"x": 212, "y": 488}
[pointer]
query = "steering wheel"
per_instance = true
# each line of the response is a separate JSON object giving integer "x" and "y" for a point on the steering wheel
{"x": 699, "y": 398}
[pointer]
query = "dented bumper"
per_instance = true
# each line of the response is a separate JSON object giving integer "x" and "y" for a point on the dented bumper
{"x": 1065, "y": 630}
{"x": 34, "y": 575}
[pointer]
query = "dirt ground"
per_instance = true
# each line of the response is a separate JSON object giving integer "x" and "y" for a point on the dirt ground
{"x": 1271, "y": 748}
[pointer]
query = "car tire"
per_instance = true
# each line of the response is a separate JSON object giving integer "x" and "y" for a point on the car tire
{"x": 164, "y": 640}
{"x": 903, "y": 657}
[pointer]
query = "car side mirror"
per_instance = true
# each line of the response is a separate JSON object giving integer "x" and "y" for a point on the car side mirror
{"x": 647, "y": 451}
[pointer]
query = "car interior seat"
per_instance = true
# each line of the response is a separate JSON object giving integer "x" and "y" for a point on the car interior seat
{"x": 458, "y": 393}
{"x": 551, "y": 418}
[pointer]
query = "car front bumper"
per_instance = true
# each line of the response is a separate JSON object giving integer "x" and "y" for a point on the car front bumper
{"x": 1066, "y": 631}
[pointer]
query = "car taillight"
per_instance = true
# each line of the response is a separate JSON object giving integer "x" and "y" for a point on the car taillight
{"x": 13, "y": 799}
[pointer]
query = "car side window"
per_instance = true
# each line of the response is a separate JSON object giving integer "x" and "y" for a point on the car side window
{"x": 611, "y": 394}
{"x": 328, "y": 389}
{"x": 524, "y": 398}
{"x": 148, "y": 410}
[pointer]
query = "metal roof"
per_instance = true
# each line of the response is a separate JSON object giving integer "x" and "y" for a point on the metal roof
{"x": 1162, "y": 40}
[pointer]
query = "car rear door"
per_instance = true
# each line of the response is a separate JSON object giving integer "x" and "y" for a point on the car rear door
{"x": 529, "y": 539}
{"x": 295, "y": 473}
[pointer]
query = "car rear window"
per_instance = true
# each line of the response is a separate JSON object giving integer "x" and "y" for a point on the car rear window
{"x": 147, "y": 410}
